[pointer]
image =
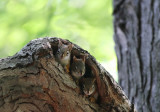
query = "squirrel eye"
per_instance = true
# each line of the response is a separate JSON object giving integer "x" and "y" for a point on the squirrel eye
{"x": 67, "y": 52}
{"x": 58, "y": 51}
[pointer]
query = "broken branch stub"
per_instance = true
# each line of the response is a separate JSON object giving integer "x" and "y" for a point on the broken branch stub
{"x": 32, "y": 80}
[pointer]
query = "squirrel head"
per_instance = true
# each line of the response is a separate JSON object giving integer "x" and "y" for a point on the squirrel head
{"x": 78, "y": 67}
{"x": 64, "y": 53}
{"x": 89, "y": 86}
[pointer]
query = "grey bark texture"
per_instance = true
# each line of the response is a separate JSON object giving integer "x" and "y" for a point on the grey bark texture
{"x": 33, "y": 81}
{"x": 137, "y": 38}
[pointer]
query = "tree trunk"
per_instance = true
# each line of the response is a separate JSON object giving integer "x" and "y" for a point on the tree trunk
{"x": 32, "y": 80}
{"x": 137, "y": 38}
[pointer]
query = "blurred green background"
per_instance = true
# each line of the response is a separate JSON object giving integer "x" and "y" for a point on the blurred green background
{"x": 87, "y": 23}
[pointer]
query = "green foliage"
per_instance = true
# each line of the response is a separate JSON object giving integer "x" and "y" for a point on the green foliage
{"x": 87, "y": 23}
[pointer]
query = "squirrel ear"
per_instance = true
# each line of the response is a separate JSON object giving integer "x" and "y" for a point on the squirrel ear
{"x": 60, "y": 43}
{"x": 74, "y": 58}
{"x": 70, "y": 47}
{"x": 83, "y": 56}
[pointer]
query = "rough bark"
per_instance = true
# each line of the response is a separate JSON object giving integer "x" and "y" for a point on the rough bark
{"x": 137, "y": 38}
{"x": 32, "y": 80}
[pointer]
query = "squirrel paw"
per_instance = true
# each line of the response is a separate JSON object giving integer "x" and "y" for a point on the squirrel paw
{"x": 67, "y": 68}
{"x": 93, "y": 100}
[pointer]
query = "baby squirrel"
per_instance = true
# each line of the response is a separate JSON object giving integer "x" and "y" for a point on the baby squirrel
{"x": 63, "y": 55}
{"x": 89, "y": 89}
{"x": 78, "y": 67}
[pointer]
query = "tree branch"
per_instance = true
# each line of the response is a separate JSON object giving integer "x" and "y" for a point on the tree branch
{"x": 32, "y": 80}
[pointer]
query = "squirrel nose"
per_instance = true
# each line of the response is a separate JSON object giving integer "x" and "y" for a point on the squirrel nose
{"x": 62, "y": 55}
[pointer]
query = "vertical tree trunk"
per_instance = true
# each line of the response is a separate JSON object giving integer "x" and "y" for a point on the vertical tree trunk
{"x": 137, "y": 38}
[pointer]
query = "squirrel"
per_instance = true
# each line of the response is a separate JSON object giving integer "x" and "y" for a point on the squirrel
{"x": 100, "y": 86}
{"x": 78, "y": 67}
{"x": 63, "y": 55}
{"x": 90, "y": 89}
